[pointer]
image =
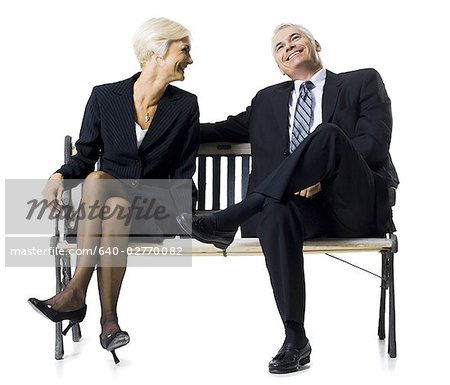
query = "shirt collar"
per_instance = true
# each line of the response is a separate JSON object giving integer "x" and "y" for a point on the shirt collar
{"x": 318, "y": 79}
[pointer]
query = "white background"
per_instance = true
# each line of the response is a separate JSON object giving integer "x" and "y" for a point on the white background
{"x": 216, "y": 322}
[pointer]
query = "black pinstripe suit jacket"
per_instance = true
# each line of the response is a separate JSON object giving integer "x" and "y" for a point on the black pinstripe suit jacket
{"x": 108, "y": 133}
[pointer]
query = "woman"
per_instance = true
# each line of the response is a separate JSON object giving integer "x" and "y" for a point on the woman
{"x": 139, "y": 128}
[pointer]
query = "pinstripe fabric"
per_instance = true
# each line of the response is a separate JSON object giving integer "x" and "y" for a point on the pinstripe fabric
{"x": 108, "y": 133}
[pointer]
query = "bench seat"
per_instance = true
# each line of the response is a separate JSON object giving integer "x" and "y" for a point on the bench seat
{"x": 251, "y": 246}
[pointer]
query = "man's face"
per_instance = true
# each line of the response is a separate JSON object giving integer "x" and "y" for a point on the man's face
{"x": 294, "y": 52}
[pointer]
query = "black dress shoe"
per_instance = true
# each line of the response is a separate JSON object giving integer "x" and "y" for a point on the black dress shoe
{"x": 204, "y": 229}
{"x": 115, "y": 341}
{"x": 74, "y": 317}
{"x": 290, "y": 358}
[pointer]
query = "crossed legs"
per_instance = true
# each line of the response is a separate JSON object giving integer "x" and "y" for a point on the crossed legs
{"x": 346, "y": 207}
{"x": 326, "y": 156}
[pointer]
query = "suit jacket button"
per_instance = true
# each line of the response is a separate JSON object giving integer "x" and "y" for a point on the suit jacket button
{"x": 137, "y": 161}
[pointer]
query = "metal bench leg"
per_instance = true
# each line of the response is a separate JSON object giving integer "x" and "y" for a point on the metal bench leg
{"x": 63, "y": 276}
{"x": 59, "y": 344}
{"x": 392, "y": 343}
{"x": 67, "y": 276}
{"x": 382, "y": 316}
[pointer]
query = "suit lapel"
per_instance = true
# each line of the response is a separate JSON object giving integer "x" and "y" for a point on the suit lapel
{"x": 281, "y": 109}
{"x": 124, "y": 111}
{"x": 330, "y": 95}
{"x": 166, "y": 112}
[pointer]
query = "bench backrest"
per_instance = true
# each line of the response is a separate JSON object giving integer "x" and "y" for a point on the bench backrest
{"x": 235, "y": 157}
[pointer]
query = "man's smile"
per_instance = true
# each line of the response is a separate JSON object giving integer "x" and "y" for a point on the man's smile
{"x": 295, "y": 53}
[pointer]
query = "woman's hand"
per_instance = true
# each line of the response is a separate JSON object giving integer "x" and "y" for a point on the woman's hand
{"x": 310, "y": 191}
{"x": 53, "y": 190}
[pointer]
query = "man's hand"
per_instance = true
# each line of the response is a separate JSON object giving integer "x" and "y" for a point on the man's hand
{"x": 310, "y": 191}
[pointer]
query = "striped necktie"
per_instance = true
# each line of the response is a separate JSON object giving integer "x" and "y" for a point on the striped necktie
{"x": 303, "y": 115}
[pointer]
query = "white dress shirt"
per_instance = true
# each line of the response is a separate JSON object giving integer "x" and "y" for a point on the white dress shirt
{"x": 318, "y": 79}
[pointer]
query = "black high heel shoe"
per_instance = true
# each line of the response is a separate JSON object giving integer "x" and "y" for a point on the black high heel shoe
{"x": 74, "y": 317}
{"x": 115, "y": 341}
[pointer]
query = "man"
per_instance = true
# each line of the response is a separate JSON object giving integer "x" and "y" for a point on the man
{"x": 321, "y": 167}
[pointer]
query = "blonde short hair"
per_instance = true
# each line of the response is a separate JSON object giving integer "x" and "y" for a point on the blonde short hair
{"x": 154, "y": 36}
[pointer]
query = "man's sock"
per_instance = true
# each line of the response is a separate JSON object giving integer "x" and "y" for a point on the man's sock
{"x": 232, "y": 217}
{"x": 295, "y": 334}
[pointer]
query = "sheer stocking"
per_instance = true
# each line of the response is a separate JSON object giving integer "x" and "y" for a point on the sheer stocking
{"x": 98, "y": 187}
{"x": 111, "y": 268}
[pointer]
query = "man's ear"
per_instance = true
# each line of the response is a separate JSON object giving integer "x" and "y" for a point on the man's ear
{"x": 318, "y": 47}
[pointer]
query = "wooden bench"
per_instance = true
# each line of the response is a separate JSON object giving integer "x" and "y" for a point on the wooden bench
{"x": 211, "y": 159}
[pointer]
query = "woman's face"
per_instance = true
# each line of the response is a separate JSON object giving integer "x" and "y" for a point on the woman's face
{"x": 176, "y": 59}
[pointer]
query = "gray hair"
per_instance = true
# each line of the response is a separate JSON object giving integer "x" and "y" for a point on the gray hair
{"x": 154, "y": 36}
{"x": 305, "y": 32}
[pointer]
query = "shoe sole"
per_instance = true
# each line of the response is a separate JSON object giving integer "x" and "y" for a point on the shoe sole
{"x": 221, "y": 246}
{"x": 118, "y": 342}
{"x": 39, "y": 311}
{"x": 301, "y": 363}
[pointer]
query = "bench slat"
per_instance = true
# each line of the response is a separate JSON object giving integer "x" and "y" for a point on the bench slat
{"x": 231, "y": 183}
{"x": 216, "y": 183}
{"x": 252, "y": 246}
{"x": 245, "y": 175}
{"x": 201, "y": 183}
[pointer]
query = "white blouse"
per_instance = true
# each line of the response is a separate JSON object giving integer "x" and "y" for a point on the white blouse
{"x": 140, "y": 134}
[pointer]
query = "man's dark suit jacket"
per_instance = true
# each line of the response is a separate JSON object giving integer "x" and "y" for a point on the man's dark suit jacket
{"x": 355, "y": 101}
{"x": 108, "y": 134}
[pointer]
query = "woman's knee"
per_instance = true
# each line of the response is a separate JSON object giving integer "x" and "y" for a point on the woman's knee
{"x": 116, "y": 216}
{"x": 98, "y": 184}
{"x": 97, "y": 175}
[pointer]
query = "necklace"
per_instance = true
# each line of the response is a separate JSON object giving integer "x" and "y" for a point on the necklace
{"x": 150, "y": 113}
